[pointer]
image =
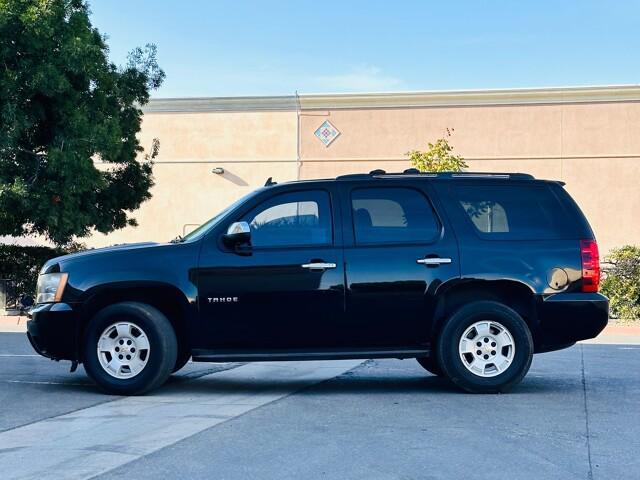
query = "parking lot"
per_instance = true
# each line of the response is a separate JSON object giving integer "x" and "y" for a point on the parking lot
{"x": 576, "y": 415}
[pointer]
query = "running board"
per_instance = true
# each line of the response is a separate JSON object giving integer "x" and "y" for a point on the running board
{"x": 283, "y": 355}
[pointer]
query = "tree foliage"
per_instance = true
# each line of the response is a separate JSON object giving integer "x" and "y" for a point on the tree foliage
{"x": 63, "y": 108}
{"x": 438, "y": 157}
{"x": 21, "y": 266}
{"x": 622, "y": 282}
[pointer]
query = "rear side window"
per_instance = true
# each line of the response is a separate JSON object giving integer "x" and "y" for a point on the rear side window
{"x": 392, "y": 215}
{"x": 510, "y": 212}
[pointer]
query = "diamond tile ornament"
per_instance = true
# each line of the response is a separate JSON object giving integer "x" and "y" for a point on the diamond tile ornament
{"x": 326, "y": 133}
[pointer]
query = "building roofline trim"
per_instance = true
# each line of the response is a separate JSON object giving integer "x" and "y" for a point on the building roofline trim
{"x": 518, "y": 96}
{"x": 452, "y": 98}
{"x": 221, "y": 104}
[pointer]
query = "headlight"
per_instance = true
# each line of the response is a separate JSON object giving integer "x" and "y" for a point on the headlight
{"x": 50, "y": 287}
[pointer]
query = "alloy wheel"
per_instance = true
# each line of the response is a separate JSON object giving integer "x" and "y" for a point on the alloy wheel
{"x": 487, "y": 348}
{"x": 123, "y": 350}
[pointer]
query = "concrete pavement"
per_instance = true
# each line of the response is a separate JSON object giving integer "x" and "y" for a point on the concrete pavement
{"x": 97, "y": 438}
{"x": 575, "y": 415}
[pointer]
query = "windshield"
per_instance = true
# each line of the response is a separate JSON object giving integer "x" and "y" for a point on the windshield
{"x": 205, "y": 227}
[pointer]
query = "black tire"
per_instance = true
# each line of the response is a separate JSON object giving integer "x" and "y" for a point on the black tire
{"x": 162, "y": 353}
{"x": 430, "y": 364}
{"x": 183, "y": 358}
{"x": 452, "y": 363}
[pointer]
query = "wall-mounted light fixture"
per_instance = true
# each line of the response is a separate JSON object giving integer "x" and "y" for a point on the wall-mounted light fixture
{"x": 218, "y": 170}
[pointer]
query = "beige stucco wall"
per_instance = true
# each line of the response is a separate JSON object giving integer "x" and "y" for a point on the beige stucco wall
{"x": 249, "y": 146}
{"x": 594, "y": 148}
{"x": 587, "y": 137}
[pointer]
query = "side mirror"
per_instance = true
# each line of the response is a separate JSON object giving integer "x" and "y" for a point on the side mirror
{"x": 237, "y": 234}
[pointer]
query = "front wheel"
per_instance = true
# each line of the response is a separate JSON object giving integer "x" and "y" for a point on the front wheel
{"x": 129, "y": 348}
{"x": 485, "y": 347}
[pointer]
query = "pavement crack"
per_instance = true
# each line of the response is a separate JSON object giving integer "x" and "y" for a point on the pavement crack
{"x": 586, "y": 413}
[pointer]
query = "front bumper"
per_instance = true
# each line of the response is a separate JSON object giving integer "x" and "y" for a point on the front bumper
{"x": 565, "y": 318}
{"x": 52, "y": 331}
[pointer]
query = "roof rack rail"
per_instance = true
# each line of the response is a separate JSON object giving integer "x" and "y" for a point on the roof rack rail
{"x": 413, "y": 172}
{"x": 354, "y": 176}
{"x": 521, "y": 176}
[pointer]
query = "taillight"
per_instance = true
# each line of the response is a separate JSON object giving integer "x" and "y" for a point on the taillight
{"x": 590, "y": 265}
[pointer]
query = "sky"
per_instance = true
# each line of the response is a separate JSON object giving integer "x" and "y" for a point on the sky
{"x": 234, "y": 48}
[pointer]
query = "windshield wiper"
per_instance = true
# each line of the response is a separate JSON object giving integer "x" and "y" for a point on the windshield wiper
{"x": 178, "y": 239}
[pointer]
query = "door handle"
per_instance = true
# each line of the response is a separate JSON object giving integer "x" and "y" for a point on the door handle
{"x": 433, "y": 261}
{"x": 318, "y": 265}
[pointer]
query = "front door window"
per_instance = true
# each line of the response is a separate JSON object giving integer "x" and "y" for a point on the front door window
{"x": 297, "y": 219}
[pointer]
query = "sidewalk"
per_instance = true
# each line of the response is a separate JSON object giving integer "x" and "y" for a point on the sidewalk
{"x": 619, "y": 334}
{"x": 613, "y": 334}
{"x": 13, "y": 323}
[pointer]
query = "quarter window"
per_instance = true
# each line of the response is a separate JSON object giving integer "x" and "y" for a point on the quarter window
{"x": 509, "y": 212}
{"x": 292, "y": 219}
{"x": 392, "y": 215}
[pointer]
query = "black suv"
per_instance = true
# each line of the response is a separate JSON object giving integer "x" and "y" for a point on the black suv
{"x": 469, "y": 273}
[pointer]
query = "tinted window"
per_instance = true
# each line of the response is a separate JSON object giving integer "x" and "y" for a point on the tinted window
{"x": 292, "y": 219}
{"x": 514, "y": 212}
{"x": 392, "y": 215}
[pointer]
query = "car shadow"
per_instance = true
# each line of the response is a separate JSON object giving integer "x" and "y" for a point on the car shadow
{"x": 368, "y": 378}
{"x": 353, "y": 382}
{"x": 344, "y": 384}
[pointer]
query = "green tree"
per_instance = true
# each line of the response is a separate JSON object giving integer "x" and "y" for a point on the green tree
{"x": 438, "y": 157}
{"x": 622, "y": 282}
{"x": 64, "y": 106}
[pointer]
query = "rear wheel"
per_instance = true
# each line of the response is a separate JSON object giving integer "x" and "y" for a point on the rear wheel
{"x": 430, "y": 364}
{"x": 485, "y": 347}
{"x": 129, "y": 348}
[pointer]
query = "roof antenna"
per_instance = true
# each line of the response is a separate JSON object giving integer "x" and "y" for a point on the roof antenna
{"x": 269, "y": 182}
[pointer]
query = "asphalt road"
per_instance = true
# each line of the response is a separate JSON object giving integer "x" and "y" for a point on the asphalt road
{"x": 576, "y": 415}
